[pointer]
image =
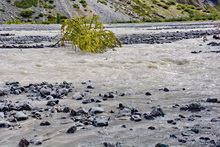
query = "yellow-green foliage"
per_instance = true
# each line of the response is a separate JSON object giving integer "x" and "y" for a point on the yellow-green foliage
{"x": 88, "y": 34}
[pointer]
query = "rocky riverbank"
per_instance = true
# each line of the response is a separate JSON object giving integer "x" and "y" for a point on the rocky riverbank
{"x": 193, "y": 123}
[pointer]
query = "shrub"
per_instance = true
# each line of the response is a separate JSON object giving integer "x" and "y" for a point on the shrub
{"x": 26, "y": 13}
{"x": 26, "y": 3}
{"x": 3, "y": 10}
{"x": 76, "y": 6}
{"x": 88, "y": 35}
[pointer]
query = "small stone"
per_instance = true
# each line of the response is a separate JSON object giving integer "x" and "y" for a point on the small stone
{"x": 73, "y": 113}
{"x": 157, "y": 112}
{"x": 44, "y": 91}
{"x": 204, "y": 138}
{"x": 166, "y": 90}
{"x": 212, "y": 100}
{"x": 96, "y": 110}
{"x": 77, "y": 96}
{"x": 171, "y": 122}
{"x": 49, "y": 97}
{"x": 90, "y": 87}
{"x": 173, "y": 136}
{"x": 182, "y": 140}
{"x": 151, "y": 128}
{"x": 44, "y": 123}
{"x": 71, "y": 130}
{"x": 100, "y": 121}
{"x": 148, "y": 93}
{"x": 36, "y": 141}
{"x": 5, "y": 124}
{"x": 20, "y": 116}
{"x": 215, "y": 119}
{"x": 161, "y": 145}
{"x": 90, "y": 100}
{"x": 195, "y": 130}
{"x": 52, "y": 102}
{"x": 23, "y": 143}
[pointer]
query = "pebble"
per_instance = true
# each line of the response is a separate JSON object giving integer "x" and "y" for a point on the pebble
{"x": 71, "y": 130}
{"x": 45, "y": 123}
{"x": 157, "y": 112}
{"x": 148, "y": 93}
{"x": 23, "y": 143}
{"x": 212, "y": 100}
{"x": 77, "y": 96}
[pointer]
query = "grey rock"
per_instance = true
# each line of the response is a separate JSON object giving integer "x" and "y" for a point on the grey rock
{"x": 2, "y": 115}
{"x": 157, "y": 112}
{"x": 45, "y": 91}
{"x": 36, "y": 141}
{"x": 20, "y": 116}
{"x": 5, "y": 124}
{"x": 96, "y": 110}
{"x": 23, "y": 143}
{"x": 77, "y": 96}
{"x": 45, "y": 123}
{"x": 71, "y": 130}
{"x": 100, "y": 121}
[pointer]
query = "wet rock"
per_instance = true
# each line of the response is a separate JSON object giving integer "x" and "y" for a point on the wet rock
{"x": 204, "y": 138}
{"x": 148, "y": 116}
{"x": 73, "y": 113}
{"x": 49, "y": 97}
{"x": 171, "y": 122}
{"x": 194, "y": 107}
{"x": 71, "y": 130}
{"x": 182, "y": 140}
{"x": 90, "y": 87}
{"x": 173, "y": 136}
{"x": 23, "y": 143}
{"x": 151, "y": 128}
{"x": 87, "y": 101}
{"x": 212, "y": 100}
{"x": 20, "y": 116}
{"x": 215, "y": 119}
{"x": 52, "y": 102}
{"x": 100, "y": 121}
{"x": 63, "y": 92}
{"x": 161, "y": 145}
{"x": 36, "y": 141}
{"x": 166, "y": 90}
{"x": 96, "y": 110}
{"x": 108, "y": 144}
{"x": 109, "y": 95}
{"x": 5, "y": 124}
{"x": 195, "y": 130}
{"x": 44, "y": 92}
{"x": 157, "y": 112}
{"x": 66, "y": 109}
{"x": 148, "y": 93}
{"x": 3, "y": 92}
{"x": 78, "y": 96}
{"x": 45, "y": 123}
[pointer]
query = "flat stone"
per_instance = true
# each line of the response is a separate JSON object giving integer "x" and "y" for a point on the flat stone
{"x": 96, "y": 110}
{"x": 20, "y": 116}
{"x": 36, "y": 141}
{"x": 100, "y": 121}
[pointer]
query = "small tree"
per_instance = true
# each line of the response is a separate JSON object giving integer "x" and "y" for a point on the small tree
{"x": 88, "y": 35}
